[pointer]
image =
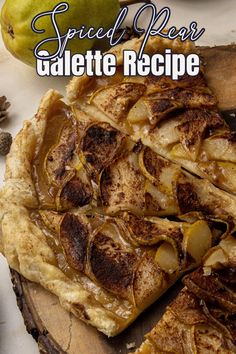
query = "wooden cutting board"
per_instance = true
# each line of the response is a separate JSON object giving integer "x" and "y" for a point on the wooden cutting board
{"x": 58, "y": 331}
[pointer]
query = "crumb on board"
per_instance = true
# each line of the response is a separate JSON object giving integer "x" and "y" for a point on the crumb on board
{"x": 130, "y": 345}
{"x": 206, "y": 271}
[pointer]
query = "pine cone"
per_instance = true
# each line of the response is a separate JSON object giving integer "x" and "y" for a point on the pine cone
{"x": 4, "y": 105}
{"x": 5, "y": 143}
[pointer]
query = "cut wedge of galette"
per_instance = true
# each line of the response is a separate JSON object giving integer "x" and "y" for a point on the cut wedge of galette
{"x": 97, "y": 208}
{"x": 202, "y": 319}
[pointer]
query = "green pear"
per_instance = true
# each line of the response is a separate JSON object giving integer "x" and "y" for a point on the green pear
{"x": 20, "y": 39}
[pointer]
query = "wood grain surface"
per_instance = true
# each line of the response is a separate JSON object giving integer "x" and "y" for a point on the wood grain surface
{"x": 59, "y": 332}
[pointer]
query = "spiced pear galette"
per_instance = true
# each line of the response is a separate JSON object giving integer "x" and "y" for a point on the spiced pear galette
{"x": 112, "y": 197}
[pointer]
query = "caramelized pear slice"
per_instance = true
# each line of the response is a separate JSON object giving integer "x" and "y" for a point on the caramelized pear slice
{"x": 152, "y": 110}
{"x": 191, "y": 98}
{"x": 160, "y": 109}
{"x": 167, "y": 258}
{"x": 122, "y": 186}
{"x": 197, "y": 240}
{"x": 116, "y": 100}
{"x": 163, "y": 83}
{"x": 178, "y": 151}
{"x": 138, "y": 113}
{"x": 159, "y": 171}
{"x": 193, "y": 126}
{"x": 74, "y": 236}
{"x": 187, "y": 195}
{"x": 220, "y": 173}
{"x": 215, "y": 258}
{"x": 166, "y": 132}
{"x": 191, "y": 134}
{"x": 207, "y": 339}
{"x": 150, "y": 280}
{"x": 158, "y": 202}
{"x": 149, "y": 231}
{"x": 210, "y": 288}
{"x": 77, "y": 192}
{"x": 111, "y": 265}
{"x": 221, "y": 147}
{"x": 60, "y": 156}
{"x": 100, "y": 145}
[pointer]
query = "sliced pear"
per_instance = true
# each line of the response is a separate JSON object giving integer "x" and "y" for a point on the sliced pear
{"x": 157, "y": 201}
{"x": 100, "y": 145}
{"x": 229, "y": 247}
{"x": 220, "y": 148}
{"x": 75, "y": 192}
{"x": 167, "y": 258}
{"x": 197, "y": 240}
{"x": 178, "y": 152}
{"x": 59, "y": 159}
{"x": 167, "y": 132}
{"x": 116, "y": 100}
{"x": 215, "y": 258}
{"x": 122, "y": 186}
{"x": 221, "y": 173}
{"x": 228, "y": 170}
{"x": 51, "y": 219}
{"x": 144, "y": 163}
{"x": 207, "y": 339}
{"x": 159, "y": 171}
{"x": 138, "y": 112}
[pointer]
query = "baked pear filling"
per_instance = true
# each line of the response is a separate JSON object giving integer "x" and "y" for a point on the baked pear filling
{"x": 112, "y": 197}
{"x": 177, "y": 119}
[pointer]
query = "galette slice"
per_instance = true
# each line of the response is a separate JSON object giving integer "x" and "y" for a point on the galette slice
{"x": 202, "y": 319}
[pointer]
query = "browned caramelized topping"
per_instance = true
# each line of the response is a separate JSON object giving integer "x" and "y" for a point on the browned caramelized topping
{"x": 116, "y": 100}
{"x": 149, "y": 233}
{"x": 122, "y": 185}
{"x": 61, "y": 155}
{"x": 160, "y": 83}
{"x": 75, "y": 193}
{"x": 195, "y": 123}
{"x": 199, "y": 120}
{"x": 151, "y": 203}
{"x": 100, "y": 145}
{"x": 105, "y": 186}
{"x": 187, "y": 308}
{"x": 158, "y": 109}
{"x": 74, "y": 236}
{"x": 187, "y": 197}
{"x": 211, "y": 289}
{"x": 112, "y": 266}
{"x": 188, "y": 97}
{"x": 154, "y": 163}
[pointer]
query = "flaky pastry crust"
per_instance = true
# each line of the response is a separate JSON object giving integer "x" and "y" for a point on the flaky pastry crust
{"x": 24, "y": 244}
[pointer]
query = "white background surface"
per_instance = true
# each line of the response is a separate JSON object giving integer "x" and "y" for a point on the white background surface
{"x": 24, "y": 90}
